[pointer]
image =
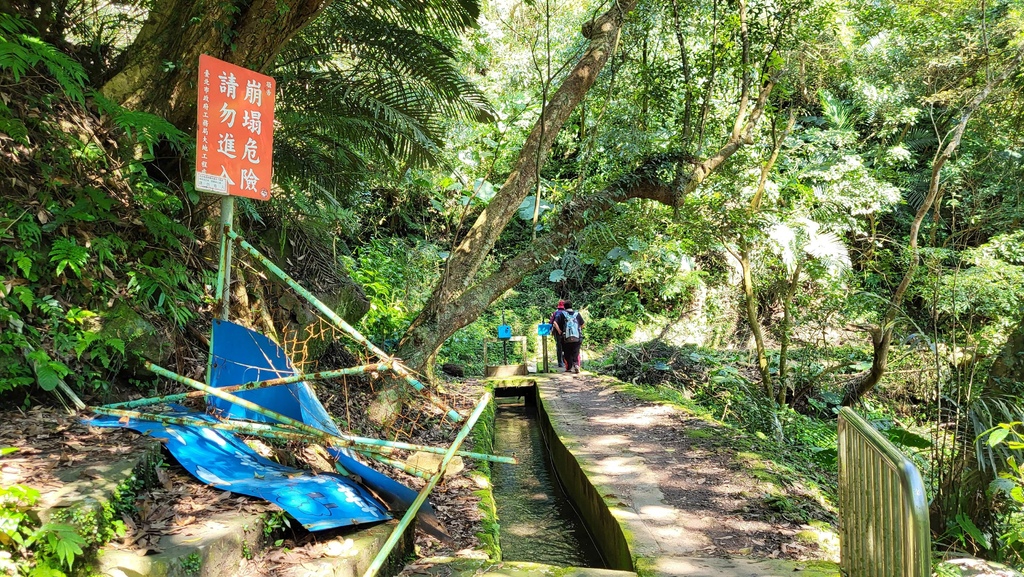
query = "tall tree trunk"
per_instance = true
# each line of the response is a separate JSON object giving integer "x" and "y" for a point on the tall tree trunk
{"x": 881, "y": 337}
{"x": 787, "y": 328}
{"x": 749, "y": 294}
{"x": 420, "y": 342}
{"x": 159, "y": 75}
{"x": 442, "y": 317}
{"x": 750, "y": 298}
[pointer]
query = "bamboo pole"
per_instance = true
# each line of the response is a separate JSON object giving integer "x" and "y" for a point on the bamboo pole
{"x": 392, "y": 463}
{"x": 396, "y": 534}
{"x": 397, "y": 367}
{"x": 314, "y": 434}
{"x": 319, "y": 376}
{"x": 271, "y": 431}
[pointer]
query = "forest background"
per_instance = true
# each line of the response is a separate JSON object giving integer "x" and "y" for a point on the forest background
{"x": 769, "y": 209}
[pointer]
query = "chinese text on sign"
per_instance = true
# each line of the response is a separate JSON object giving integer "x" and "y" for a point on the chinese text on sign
{"x": 235, "y": 136}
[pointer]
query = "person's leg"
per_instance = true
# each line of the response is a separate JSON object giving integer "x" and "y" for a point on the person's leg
{"x": 558, "y": 350}
{"x": 570, "y": 352}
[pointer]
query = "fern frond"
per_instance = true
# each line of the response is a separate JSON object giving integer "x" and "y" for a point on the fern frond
{"x": 21, "y": 51}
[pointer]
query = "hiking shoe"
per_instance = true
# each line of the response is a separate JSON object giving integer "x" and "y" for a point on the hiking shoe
{"x": 576, "y": 370}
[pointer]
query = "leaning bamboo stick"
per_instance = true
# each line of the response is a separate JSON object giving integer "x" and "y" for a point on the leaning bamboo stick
{"x": 252, "y": 385}
{"x": 392, "y": 463}
{"x": 396, "y": 534}
{"x": 397, "y": 367}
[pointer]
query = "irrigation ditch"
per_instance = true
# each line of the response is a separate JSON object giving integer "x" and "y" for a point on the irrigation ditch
{"x": 548, "y": 510}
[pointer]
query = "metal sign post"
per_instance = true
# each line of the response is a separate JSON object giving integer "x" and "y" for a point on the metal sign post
{"x": 227, "y": 214}
{"x": 234, "y": 152}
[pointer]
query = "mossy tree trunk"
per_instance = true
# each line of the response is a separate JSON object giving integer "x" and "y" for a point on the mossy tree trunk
{"x": 160, "y": 72}
{"x": 461, "y": 295}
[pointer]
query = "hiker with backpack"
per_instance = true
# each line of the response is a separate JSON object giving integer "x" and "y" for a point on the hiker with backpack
{"x": 569, "y": 327}
{"x": 558, "y": 338}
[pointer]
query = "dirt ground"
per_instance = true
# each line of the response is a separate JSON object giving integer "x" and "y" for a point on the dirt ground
{"x": 725, "y": 508}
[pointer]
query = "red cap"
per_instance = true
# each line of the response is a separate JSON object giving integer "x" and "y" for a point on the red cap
{"x": 561, "y": 304}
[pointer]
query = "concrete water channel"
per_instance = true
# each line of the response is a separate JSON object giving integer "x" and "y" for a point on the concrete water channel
{"x": 539, "y": 521}
{"x": 634, "y": 528}
{"x": 548, "y": 510}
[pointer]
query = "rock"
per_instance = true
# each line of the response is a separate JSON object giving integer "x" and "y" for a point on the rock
{"x": 429, "y": 462}
{"x": 385, "y": 407}
{"x": 453, "y": 370}
{"x": 144, "y": 339}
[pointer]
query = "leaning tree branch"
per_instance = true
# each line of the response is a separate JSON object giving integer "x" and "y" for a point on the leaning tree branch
{"x": 470, "y": 254}
{"x": 881, "y": 337}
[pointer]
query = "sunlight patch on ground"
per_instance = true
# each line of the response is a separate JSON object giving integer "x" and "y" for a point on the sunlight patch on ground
{"x": 611, "y": 441}
{"x": 658, "y": 513}
{"x": 618, "y": 466}
{"x": 643, "y": 417}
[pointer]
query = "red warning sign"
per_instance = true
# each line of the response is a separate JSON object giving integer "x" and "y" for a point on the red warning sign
{"x": 235, "y": 136}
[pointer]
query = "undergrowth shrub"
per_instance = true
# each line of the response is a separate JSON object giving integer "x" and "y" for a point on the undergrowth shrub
{"x": 85, "y": 225}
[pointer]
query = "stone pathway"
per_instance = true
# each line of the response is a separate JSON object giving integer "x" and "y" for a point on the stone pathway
{"x": 685, "y": 501}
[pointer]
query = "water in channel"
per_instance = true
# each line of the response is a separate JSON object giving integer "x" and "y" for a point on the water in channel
{"x": 538, "y": 523}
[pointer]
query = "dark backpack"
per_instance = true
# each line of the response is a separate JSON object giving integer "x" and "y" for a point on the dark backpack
{"x": 572, "y": 328}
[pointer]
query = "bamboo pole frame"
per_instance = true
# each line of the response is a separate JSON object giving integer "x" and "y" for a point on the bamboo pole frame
{"x": 396, "y": 534}
{"x": 252, "y": 385}
{"x": 339, "y": 322}
{"x": 283, "y": 433}
{"x": 299, "y": 431}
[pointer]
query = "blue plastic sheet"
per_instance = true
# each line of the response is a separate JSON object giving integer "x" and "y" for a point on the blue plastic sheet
{"x": 316, "y": 500}
{"x": 241, "y": 355}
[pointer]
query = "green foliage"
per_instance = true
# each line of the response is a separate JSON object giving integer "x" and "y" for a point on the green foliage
{"x": 607, "y": 330}
{"x": 1007, "y": 492}
{"x": 21, "y": 52}
{"x": 42, "y": 549}
{"x": 192, "y": 564}
{"x": 274, "y": 523}
{"x": 396, "y": 276}
{"x": 72, "y": 244}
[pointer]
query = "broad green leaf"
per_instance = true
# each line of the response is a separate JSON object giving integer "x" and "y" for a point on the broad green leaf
{"x": 971, "y": 529}
{"x": 906, "y": 438}
{"x": 997, "y": 437}
{"x": 47, "y": 378}
{"x": 526, "y": 207}
{"x": 557, "y": 275}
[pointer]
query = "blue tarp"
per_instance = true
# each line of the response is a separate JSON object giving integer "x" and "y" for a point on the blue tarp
{"x": 316, "y": 500}
{"x": 241, "y": 355}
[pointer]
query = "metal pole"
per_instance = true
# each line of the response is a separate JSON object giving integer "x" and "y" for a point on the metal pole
{"x": 544, "y": 351}
{"x": 227, "y": 217}
{"x": 339, "y": 322}
{"x": 223, "y": 290}
{"x": 504, "y": 342}
{"x": 396, "y": 534}
{"x": 323, "y": 375}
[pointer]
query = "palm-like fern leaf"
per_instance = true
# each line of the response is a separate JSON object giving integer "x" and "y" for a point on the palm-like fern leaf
{"x": 362, "y": 87}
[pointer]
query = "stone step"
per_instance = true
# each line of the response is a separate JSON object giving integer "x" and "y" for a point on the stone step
{"x": 231, "y": 544}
